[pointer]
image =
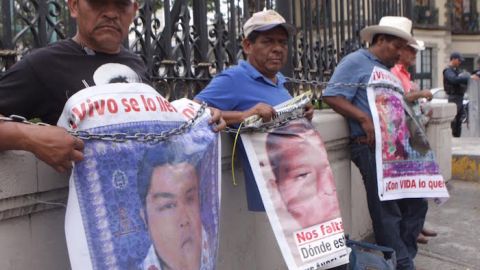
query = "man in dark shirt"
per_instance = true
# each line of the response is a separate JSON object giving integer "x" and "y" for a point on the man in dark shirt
{"x": 455, "y": 86}
{"x": 41, "y": 83}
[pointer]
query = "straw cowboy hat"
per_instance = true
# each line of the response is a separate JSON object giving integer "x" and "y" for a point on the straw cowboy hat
{"x": 419, "y": 45}
{"x": 396, "y": 26}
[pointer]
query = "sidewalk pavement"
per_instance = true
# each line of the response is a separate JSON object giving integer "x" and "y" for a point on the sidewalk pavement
{"x": 457, "y": 246}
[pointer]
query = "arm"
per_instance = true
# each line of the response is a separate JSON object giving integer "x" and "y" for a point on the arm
{"x": 414, "y": 95}
{"x": 51, "y": 144}
{"x": 453, "y": 78}
{"x": 347, "y": 109}
{"x": 217, "y": 119}
{"x": 265, "y": 111}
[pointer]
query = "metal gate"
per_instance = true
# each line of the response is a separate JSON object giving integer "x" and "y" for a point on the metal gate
{"x": 186, "y": 42}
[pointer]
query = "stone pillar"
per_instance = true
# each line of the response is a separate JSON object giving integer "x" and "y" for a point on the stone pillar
{"x": 439, "y": 135}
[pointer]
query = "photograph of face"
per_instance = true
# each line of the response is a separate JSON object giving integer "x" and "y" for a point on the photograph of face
{"x": 169, "y": 188}
{"x": 148, "y": 205}
{"x": 303, "y": 179}
{"x": 172, "y": 204}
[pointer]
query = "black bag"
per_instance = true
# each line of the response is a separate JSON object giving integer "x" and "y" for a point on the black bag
{"x": 366, "y": 256}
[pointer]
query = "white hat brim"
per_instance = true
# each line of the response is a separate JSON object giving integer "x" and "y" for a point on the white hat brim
{"x": 417, "y": 47}
{"x": 367, "y": 33}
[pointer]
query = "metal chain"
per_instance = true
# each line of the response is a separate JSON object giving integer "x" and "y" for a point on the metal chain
{"x": 20, "y": 119}
{"x": 156, "y": 138}
{"x": 274, "y": 124}
{"x": 265, "y": 127}
{"x": 342, "y": 84}
{"x": 151, "y": 138}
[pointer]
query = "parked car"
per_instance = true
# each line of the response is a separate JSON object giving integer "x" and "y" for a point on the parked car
{"x": 440, "y": 96}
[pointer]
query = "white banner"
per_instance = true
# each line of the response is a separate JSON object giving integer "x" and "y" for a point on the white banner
{"x": 296, "y": 184}
{"x": 141, "y": 205}
{"x": 406, "y": 166}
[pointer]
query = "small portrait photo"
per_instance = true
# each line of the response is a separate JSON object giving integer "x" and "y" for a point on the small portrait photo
{"x": 295, "y": 180}
{"x": 151, "y": 206}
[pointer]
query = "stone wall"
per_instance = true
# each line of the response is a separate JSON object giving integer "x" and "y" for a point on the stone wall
{"x": 32, "y": 198}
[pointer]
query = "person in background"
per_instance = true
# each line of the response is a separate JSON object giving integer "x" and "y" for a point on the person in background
{"x": 413, "y": 94}
{"x": 455, "y": 85}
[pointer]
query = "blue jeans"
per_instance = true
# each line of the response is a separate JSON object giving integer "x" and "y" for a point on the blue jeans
{"x": 396, "y": 223}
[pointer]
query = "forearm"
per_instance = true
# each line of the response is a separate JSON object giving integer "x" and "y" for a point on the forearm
{"x": 13, "y": 136}
{"x": 414, "y": 95}
{"x": 455, "y": 79}
{"x": 234, "y": 117}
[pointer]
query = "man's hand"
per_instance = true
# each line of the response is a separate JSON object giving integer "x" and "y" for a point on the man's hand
{"x": 309, "y": 111}
{"x": 265, "y": 111}
{"x": 426, "y": 94}
{"x": 53, "y": 145}
{"x": 367, "y": 126}
{"x": 217, "y": 120}
{"x": 475, "y": 77}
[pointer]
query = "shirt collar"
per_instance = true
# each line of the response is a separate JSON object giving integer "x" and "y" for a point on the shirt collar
{"x": 255, "y": 74}
{"x": 372, "y": 57}
{"x": 402, "y": 69}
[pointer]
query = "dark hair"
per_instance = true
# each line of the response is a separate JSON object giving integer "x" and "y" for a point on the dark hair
{"x": 387, "y": 37}
{"x": 166, "y": 153}
{"x": 252, "y": 37}
{"x": 277, "y": 139}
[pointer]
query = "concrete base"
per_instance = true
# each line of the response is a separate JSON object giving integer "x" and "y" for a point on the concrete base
{"x": 456, "y": 245}
{"x": 466, "y": 159}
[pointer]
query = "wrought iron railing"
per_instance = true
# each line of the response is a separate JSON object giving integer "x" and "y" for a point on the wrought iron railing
{"x": 463, "y": 17}
{"x": 184, "y": 43}
{"x": 425, "y": 16}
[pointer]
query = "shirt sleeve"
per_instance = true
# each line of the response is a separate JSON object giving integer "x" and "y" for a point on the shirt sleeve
{"x": 19, "y": 91}
{"x": 348, "y": 71}
{"x": 219, "y": 93}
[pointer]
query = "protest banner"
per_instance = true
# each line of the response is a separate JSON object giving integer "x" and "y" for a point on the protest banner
{"x": 296, "y": 184}
{"x": 406, "y": 166}
{"x": 141, "y": 203}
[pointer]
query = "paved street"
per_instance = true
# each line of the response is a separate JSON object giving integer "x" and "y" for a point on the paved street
{"x": 457, "y": 222}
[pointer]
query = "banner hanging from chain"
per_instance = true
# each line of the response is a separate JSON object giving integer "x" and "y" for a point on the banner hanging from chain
{"x": 148, "y": 202}
{"x": 406, "y": 165}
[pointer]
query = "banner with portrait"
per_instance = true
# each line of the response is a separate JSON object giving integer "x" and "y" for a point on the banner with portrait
{"x": 137, "y": 201}
{"x": 298, "y": 191}
{"x": 406, "y": 166}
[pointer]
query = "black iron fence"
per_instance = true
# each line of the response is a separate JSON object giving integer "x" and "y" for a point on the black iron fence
{"x": 184, "y": 43}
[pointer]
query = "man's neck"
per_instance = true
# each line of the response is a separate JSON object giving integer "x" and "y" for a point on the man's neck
{"x": 87, "y": 48}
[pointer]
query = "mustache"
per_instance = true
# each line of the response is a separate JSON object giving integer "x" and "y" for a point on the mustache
{"x": 109, "y": 23}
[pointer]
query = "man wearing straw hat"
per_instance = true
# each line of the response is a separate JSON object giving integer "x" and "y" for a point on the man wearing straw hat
{"x": 396, "y": 223}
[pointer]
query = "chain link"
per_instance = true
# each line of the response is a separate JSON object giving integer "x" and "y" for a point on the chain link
{"x": 154, "y": 138}
{"x": 151, "y": 138}
{"x": 342, "y": 84}
{"x": 274, "y": 124}
{"x": 20, "y": 119}
{"x": 265, "y": 127}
